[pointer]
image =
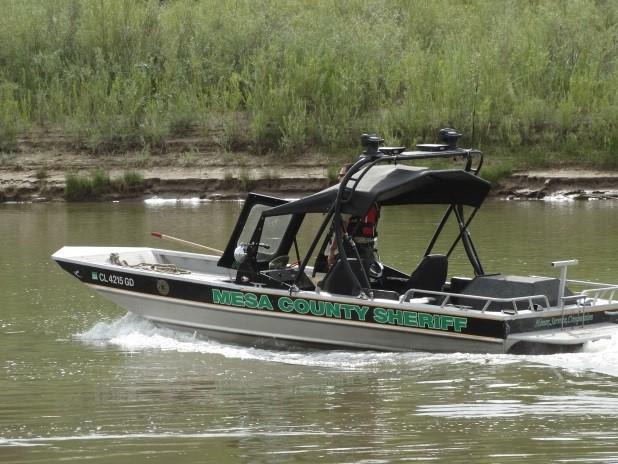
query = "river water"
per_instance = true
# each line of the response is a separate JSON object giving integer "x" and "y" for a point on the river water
{"x": 82, "y": 381}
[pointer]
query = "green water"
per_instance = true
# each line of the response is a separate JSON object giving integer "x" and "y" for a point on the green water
{"x": 81, "y": 381}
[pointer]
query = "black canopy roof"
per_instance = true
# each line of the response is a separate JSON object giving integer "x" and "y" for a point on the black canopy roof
{"x": 396, "y": 185}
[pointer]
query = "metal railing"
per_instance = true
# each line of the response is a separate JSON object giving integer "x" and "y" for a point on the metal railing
{"x": 591, "y": 296}
{"x": 487, "y": 299}
{"x": 601, "y": 293}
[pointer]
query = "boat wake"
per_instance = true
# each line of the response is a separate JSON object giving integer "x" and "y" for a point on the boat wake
{"x": 133, "y": 333}
{"x": 600, "y": 356}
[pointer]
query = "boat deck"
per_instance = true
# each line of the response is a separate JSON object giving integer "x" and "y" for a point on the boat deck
{"x": 151, "y": 260}
{"x": 204, "y": 268}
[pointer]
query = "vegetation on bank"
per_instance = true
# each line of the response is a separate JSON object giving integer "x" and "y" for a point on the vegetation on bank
{"x": 99, "y": 183}
{"x": 285, "y": 77}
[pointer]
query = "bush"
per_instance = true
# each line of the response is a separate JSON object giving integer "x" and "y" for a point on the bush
{"x": 78, "y": 188}
{"x": 130, "y": 181}
{"x": 98, "y": 183}
{"x": 495, "y": 172}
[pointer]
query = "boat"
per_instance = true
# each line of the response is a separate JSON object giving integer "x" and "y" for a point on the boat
{"x": 253, "y": 293}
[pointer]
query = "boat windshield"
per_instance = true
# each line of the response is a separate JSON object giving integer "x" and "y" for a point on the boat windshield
{"x": 272, "y": 233}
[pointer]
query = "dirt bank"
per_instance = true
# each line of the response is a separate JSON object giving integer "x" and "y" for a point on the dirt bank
{"x": 40, "y": 176}
{"x": 571, "y": 183}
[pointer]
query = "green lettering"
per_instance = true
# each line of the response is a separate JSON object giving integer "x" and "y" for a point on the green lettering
{"x": 410, "y": 319}
{"x": 361, "y": 311}
{"x": 446, "y": 322}
{"x": 380, "y": 315}
{"x": 460, "y": 323}
{"x": 265, "y": 303}
{"x": 332, "y": 309}
{"x": 221, "y": 296}
{"x": 318, "y": 309}
{"x": 238, "y": 299}
{"x": 395, "y": 316}
{"x": 301, "y": 306}
{"x": 285, "y": 304}
{"x": 425, "y": 320}
{"x": 251, "y": 300}
{"x": 347, "y": 310}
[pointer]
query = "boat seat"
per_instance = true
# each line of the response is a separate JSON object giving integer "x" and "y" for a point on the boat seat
{"x": 430, "y": 274}
{"x": 338, "y": 280}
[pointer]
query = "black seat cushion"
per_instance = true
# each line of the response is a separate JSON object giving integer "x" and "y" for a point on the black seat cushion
{"x": 339, "y": 280}
{"x": 430, "y": 274}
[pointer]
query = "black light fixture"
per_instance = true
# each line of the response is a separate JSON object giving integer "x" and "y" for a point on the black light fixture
{"x": 371, "y": 143}
{"x": 449, "y": 137}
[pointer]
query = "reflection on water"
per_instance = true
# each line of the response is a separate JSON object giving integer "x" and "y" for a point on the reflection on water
{"x": 82, "y": 381}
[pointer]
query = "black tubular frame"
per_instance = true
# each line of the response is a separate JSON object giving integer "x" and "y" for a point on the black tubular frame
{"x": 389, "y": 155}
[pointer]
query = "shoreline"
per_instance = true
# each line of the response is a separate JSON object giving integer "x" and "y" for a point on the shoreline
{"x": 40, "y": 177}
{"x": 573, "y": 184}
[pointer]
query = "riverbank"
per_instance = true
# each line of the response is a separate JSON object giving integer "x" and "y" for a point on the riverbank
{"x": 576, "y": 184}
{"x": 41, "y": 176}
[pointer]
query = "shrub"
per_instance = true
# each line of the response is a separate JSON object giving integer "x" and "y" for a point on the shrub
{"x": 130, "y": 181}
{"x": 495, "y": 172}
{"x": 98, "y": 183}
{"x": 78, "y": 188}
{"x": 332, "y": 173}
{"x": 247, "y": 182}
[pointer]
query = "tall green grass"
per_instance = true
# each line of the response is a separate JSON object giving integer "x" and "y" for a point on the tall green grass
{"x": 301, "y": 74}
{"x": 98, "y": 183}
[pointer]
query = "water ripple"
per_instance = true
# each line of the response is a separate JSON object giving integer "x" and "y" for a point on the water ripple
{"x": 133, "y": 333}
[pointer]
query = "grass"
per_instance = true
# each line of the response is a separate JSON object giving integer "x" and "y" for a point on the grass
{"x": 332, "y": 173}
{"x": 246, "y": 180}
{"x": 143, "y": 159}
{"x": 98, "y": 183}
{"x": 495, "y": 172}
{"x": 78, "y": 188}
{"x": 187, "y": 159}
{"x": 119, "y": 74}
{"x": 229, "y": 182}
{"x": 130, "y": 181}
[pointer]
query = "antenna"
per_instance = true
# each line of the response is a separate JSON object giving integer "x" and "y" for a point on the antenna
{"x": 476, "y": 91}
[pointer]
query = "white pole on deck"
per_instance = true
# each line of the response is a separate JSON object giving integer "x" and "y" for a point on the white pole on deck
{"x": 185, "y": 242}
{"x": 563, "y": 265}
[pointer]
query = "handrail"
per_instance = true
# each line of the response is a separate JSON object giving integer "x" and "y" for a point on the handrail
{"x": 600, "y": 292}
{"x": 603, "y": 291}
{"x": 576, "y": 297}
{"x": 488, "y": 299}
{"x": 588, "y": 300}
{"x": 594, "y": 284}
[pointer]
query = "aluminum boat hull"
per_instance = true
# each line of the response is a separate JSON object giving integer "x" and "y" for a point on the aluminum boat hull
{"x": 207, "y": 300}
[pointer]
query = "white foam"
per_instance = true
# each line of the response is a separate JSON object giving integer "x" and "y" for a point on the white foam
{"x": 559, "y": 198}
{"x": 133, "y": 333}
{"x": 600, "y": 356}
{"x": 156, "y": 201}
{"x": 193, "y": 201}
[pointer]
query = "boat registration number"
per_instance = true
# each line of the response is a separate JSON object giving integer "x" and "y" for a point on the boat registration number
{"x": 113, "y": 279}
